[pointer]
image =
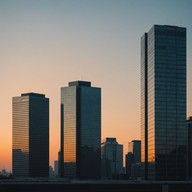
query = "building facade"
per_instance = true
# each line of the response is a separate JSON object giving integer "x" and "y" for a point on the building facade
{"x": 81, "y": 130}
{"x": 133, "y": 159}
{"x": 111, "y": 158}
{"x": 163, "y": 103}
{"x": 135, "y": 148}
{"x": 129, "y": 161}
{"x": 30, "y": 139}
{"x": 56, "y": 168}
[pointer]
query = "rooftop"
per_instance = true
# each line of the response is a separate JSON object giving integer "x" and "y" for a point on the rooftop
{"x": 33, "y": 94}
{"x": 80, "y": 83}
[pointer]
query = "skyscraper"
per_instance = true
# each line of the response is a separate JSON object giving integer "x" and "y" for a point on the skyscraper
{"x": 30, "y": 148}
{"x": 133, "y": 157}
{"x": 163, "y": 102}
{"x": 135, "y": 148}
{"x": 112, "y": 158}
{"x": 81, "y": 130}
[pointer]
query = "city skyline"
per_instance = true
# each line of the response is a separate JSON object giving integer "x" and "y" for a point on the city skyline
{"x": 46, "y": 44}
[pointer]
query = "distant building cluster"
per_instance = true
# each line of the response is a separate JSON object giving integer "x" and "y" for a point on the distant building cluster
{"x": 164, "y": 151}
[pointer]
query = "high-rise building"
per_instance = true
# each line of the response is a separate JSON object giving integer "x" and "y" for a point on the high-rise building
{"x": 60, "y": 156}
{"x": 30, "y": 146}
{"x": 163, "y": 102}
{"x": 81, "y": 130}
{"x": 56, "y": 168}
{"x": 135, "y": 148}
{"x": 111, "y": 158}
{"x": 129, "y": 161}
{"x": 133, "y": 157}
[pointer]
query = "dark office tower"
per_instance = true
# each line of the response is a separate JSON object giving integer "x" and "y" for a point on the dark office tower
{"x": 189, "y": 129}
{"x": 60, "y": 163}
{"x": 133, "y": 157}
{"x": 135, "y": 148}
{"x": 81, "y": 130}
{"x": 163, "y": 102}
{"x": 111, "y": 158}
{"x": 30, "y": 135}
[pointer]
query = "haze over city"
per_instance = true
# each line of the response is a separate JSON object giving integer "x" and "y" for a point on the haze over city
{"x": 45, "y": 44}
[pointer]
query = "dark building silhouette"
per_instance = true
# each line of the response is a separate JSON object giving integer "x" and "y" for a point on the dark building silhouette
{"x": 129, "y": 161}
{"x": 60, "y": 163}
{"x": 111, "y": 158}
{"x": 81, "y": 130}
{"x": 163, "y": 103}
{"x": 30, "y": 147}
{"x": 133, "y": 159}
{"x": 135, "y": 148}
{"x": 56, "y": 168}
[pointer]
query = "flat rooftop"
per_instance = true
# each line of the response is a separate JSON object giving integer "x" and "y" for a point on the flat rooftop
{"x": 80, "y": 83}
{"x": 33, "y": 94}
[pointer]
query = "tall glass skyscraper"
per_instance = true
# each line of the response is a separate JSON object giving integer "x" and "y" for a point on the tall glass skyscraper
{"x": 163, "y": 103}
{"x": 30, "y": 146}
{"x": 81, "y": 130}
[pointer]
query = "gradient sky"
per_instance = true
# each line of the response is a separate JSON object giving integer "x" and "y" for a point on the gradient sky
{"x": 44, "y": 44}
